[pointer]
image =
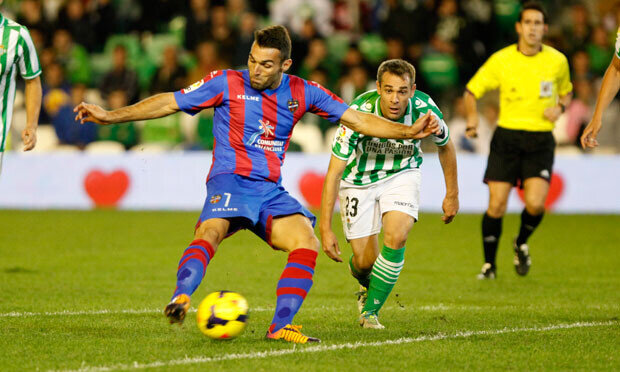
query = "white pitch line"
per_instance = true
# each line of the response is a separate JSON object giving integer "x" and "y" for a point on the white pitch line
{"x": 321, "y": 348}
{"x": 430, "y": 308}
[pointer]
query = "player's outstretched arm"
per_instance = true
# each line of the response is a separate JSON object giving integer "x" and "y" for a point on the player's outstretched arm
{"x": 32, "y": 94}
{"x": 447, "y": 158}
{"x": 156, "y": 106}
{"x": 376, "y": 126}
{"x": 471, "y": 114}
{"x": 329, "y": 241}
{"x": 609, "y": 89}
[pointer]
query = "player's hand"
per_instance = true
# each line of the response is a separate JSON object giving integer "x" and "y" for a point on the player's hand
{"x": 588, "y": 138}
{"x": 471, "y": 130}
{"x": 552, "y": 113}
{"x": 93, "y": 113}
{"x": 450, "y": 207}
{"x": 329, "y": 243}
{"x": 29, "y": 137}
{"x": 425, "y": 126}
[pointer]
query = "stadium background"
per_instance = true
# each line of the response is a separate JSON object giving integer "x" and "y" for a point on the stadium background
{"x": 116, "y": 52}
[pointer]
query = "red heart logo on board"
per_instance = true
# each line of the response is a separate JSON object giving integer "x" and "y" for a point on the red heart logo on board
{"x": 106, "y": 189}
{"x": 556, "y": 189}
{"x": 311, "y": 186}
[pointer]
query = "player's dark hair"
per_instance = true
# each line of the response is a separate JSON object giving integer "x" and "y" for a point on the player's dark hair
{"x": 397, "y": 67}
{"x": 276, "y": 37}
{"x": 533, "y": 5}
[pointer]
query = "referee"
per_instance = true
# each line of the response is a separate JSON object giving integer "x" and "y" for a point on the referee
{"x": 534, "y": 86}
{"x": 17, "y": 52}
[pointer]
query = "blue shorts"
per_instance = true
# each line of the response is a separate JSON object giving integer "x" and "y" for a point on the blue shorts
{"x": 249, "y": 204}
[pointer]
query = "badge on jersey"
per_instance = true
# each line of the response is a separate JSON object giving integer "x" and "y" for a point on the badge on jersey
{"x": 193, "y": 87}
{"x": 293, "y": 105}
{"x": 546, "y": 89}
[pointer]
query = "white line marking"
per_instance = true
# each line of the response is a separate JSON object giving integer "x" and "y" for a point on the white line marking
{"x": 317, "y": 349}
{"x": 431, "y": 308}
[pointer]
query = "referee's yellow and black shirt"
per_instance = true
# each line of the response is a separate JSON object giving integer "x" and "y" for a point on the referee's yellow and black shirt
{"x": 527, "y": 85}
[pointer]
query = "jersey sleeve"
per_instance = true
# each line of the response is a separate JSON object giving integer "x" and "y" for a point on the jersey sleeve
{"x": 344, "y": 142}
{"x": 324, "y": 103}
{"x": 564, "y": 84}
{"x": 443, "y": 137}
{"x": 486, "y": 78}
{"x": 28, "y": 62}
{"x": 205, "y": 93}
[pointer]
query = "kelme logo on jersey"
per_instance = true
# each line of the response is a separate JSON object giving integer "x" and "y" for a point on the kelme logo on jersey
{"x": 293, "y": 105}
{"x": 215, "y": 199}
{"x": 2, "y": 50}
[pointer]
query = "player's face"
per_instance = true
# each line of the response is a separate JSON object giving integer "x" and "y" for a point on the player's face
{"x": 532, "y": 27}
{"x": 266, "y": 67}
{"x": 395, "y": 92}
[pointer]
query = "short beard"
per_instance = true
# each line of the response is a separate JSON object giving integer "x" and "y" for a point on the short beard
{"x": 259, "y": 87}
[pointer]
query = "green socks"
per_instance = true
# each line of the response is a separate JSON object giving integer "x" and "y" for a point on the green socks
{"x": 363, "y": 279}
{"x": 384, "y": 275}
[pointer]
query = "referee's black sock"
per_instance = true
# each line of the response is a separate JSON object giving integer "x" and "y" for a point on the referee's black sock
{"x": 528, "y": 225}
{"x": 491, "y": 231}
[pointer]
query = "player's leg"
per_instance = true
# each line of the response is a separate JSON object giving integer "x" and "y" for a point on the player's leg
{"x": 536, "y": 172}
{"x": 361, "y": 221}
{"x": 193, "y": 265}
{"x": 503, "y": 170}
{"x": 492, "y": 225}
{"x": 365, "y": 252}
{"x": 399, "y": 203}
{"x": 293, "y": 234}
{"x": 225, "y": 211}
{"x": 389, "y": 263}
{"x": 535, "y": 192}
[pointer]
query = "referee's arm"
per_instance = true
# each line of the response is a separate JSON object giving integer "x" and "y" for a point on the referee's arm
{"x": 471, "y": 114}
{"x": 553, "y": 113}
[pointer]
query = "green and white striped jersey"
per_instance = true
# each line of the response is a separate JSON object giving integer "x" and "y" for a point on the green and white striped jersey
{"x": 16, "y": 52}
{"x": 371, "y": 159}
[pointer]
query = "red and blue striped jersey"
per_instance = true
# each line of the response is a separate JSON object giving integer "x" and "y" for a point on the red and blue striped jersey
{"x": 252, "y": 128}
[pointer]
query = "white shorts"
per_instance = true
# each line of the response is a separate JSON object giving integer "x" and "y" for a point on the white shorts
{"x": 361, "y": 208}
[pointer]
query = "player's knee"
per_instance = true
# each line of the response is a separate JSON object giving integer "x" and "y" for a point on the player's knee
{"x": 308, "y": 241}
{"x": 209, "y": 234}
{"x": 535, "y": 209}
{"x": 395, "y": 239}
{"x": 497, "y": 208}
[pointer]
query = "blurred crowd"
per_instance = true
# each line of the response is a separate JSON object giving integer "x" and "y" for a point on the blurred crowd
{"x": 115, "y": 52}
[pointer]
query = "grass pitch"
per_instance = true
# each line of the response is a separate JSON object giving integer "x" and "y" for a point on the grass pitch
{"x": 86, "y": 291}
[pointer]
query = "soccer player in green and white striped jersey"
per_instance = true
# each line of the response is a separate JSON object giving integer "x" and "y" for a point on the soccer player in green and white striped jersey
{"x": 17, "y": 52}
{"x": 378, "y": 182}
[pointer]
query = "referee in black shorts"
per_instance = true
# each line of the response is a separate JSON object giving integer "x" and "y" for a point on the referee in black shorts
{"x": 534, "y": 86}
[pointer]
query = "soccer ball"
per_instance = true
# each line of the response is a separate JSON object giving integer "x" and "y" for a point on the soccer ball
{"x": 222, "y": 315}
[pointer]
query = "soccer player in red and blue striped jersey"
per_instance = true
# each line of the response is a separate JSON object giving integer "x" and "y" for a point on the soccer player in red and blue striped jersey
{"x": 255, "y": 112}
